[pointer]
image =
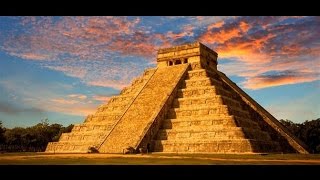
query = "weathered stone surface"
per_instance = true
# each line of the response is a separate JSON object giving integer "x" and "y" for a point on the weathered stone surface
{"x": 185, "y": 105}
{"x": 130, "y": 128}
{"x": 97, "y": 126}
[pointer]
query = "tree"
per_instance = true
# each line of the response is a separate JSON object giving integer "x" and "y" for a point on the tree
{"x": 34, "y": 138}
{"x": 14, "y": 138}
{"x": 308, "y": 132}
{"x": 2, "y": 131}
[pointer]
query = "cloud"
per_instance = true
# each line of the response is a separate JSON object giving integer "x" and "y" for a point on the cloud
{"x": 264, "y": 81}
{"x": 32, "y": 56}
{"x": 255, "y": 46}
{"x": 69, "y": 106}
{"x": 274, "y": 73}
{"x": 47, "y": 99}
{"x": 8, "y": 108}
{"x": 64, "y": 101}
{"x": 205, "y": 21}
{"x": 83, "y": 38}
{"x": 186, "y": 31}
{"x": 72, "y": 71}
{"x": 221, "y": 32}
{"x": 88, "y": 48}
{"x": 215, "y": 25}
{"x": 111, "y": 83}
{"x": 99, "y": 50}
{"x": 78, "y": 96}
{"x": 101, "y": 98}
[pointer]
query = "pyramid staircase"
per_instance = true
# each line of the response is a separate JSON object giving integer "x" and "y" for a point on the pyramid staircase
{"x": 184, "y": 105}
{"x": 97, "y": 126}
{"x": 207, "y": 116}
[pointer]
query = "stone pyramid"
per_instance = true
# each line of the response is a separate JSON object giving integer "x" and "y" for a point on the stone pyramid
{"x": 184, "y": 105}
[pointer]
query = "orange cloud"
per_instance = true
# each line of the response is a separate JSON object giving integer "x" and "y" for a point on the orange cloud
{"x": 34, "y": 56}
{"x": 216, "y": 25}
{"x": 186, "y": 31}
{"x": 247, "y": 51}
{"x": 260, "y": 82}
{"x": 244, "y": 26}
{"x": 220, "y": 37}
{"x": 269, "y": 81}
{"x": 216, "y": 33}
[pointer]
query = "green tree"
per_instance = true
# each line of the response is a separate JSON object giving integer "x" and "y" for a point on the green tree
{"x": 308, "y": 132}
{"x": 2, "y": 131}
{"x": 14, "y": 138}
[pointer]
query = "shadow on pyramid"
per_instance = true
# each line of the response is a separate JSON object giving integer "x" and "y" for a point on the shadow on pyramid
{"x": 184, "y": 105}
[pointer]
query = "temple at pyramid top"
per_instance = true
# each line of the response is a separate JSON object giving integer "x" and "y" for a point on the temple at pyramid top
{"x": 184, "y": 105}
{"x": 188, "y": 53}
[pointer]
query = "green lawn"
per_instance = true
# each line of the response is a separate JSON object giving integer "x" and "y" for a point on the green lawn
{"x": 156, "y": 159}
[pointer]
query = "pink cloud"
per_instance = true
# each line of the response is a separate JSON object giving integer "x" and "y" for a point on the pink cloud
{"x": 64, "y": 101}
{"x": 72, "y": 109}
{"x": 263, "y": 82}
{"x": 33, "y": 56}
{"x": 74, "y": 105}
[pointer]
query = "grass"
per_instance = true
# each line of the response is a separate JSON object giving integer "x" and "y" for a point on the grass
{"x": 157, "y": 159}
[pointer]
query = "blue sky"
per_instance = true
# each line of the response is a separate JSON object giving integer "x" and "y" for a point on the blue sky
{"x": 63, "y": 68}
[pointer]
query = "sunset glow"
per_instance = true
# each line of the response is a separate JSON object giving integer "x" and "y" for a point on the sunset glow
{"x": 63, "y": 68}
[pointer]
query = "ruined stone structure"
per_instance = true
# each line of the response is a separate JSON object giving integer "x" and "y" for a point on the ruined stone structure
{"x": 184, "y": 105}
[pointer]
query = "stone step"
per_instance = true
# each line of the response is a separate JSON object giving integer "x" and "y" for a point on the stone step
{"x": 120, "y": 99}
{"x": 108, "y": 113}
{"x": 204, "y": 91}
{"x": 206, "y": 99}
{"x": 200, "y": 73}
{"x": 81, "y": 137}
{"x": 200, "y": 82}
{"x": 138, "y": 83}
{"x": 133, "y": 89}
{"x": 68, "y": 147}
{"x": 238, "y": 112}
{"x": 193, "y": 121}
{"x": 212, "y": 100}
{"x": 220, "y": 111}
{"x": 134, "y": 124}
{"x": 197, "y": 127}
{"x": 245, "y": 122}
{"x": 110, "y": 108}
{"x": 88, "y": 118}
{"x": 92, "y": 127}
{"x": 211, "y": 132}
{"x": 85, "y": 133}
{"x": 103, "y": 117}
{"x": 216, "y": 146}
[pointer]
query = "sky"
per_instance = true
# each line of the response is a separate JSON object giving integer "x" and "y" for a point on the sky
{"x": 63, "y": 68}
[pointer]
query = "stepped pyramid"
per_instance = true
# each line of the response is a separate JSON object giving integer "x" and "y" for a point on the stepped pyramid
{"x": 184, "y": 105}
